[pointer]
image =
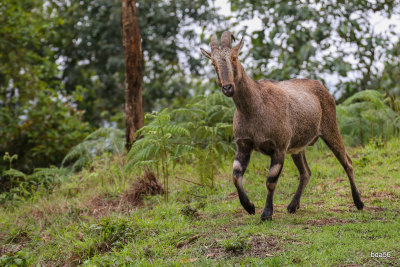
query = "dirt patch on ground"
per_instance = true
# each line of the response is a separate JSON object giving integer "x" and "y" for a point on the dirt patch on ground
{"x": 374, "y": 209}
{"x": 381, "y": 195}
{"x": 263, "y": 246}
{"x": 99, "y": 206}
{"x": 102, "y": 205}
{"x": 393, "y": 260}
{"x": 15, "y": 244}
{"x": 129, "y": 200}
{"x": 351, "y": 208}
{"x": 45, "y": 208}
{"x": 257, "y": 246}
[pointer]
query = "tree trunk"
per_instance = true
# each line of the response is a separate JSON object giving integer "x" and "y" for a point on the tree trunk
{"x": 133, "y": 70}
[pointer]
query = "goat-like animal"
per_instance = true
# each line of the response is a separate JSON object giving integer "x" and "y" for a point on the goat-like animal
{"x": 276, "y": 118}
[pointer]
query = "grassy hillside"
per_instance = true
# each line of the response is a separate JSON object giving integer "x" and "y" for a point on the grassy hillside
{"x": 94, "y": 219}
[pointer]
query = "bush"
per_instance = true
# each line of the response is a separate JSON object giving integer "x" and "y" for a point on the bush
{"x": 41, "y": 132}
{"x": 16, "y": 185}
{"x": 201, "y": 131}
{"x": 366, "y": 115}
{"x": 97, "y": 143}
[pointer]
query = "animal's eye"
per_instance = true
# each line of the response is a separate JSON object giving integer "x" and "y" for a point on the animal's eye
{"x": 234, "y": 58}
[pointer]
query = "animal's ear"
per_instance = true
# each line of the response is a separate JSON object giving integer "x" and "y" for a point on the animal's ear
{"x": 239, "y": 46}
{"x": 205, "y": 53}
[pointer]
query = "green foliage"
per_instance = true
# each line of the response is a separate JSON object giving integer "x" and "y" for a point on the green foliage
{"x": 203, "y": 226}
{"x": 209, "y": 120}
{"x": 94, "y": 145}
{"x": 202, "y": 131}
{"x": 389, "y": 81}
{"x": 14, "y": 259}
{"x": 40, "y": 123}
{"x": 366, "y": 115}
{"x": 312, "y": 40}
{"x": 17, "y": 186}
{"x": 113, "y": 233}
{"x": 235, "y": 246}
{"x": 25, "y": 54}
{"x": 42, "y": 131}
{"x": 9, "y": 158}
{"x": 89, "y": 40}
{"x": 160, "y": 144}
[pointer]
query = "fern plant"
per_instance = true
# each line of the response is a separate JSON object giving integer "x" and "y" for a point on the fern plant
{"x": 162, "y": 142}
{"x": 209, "y": 120}
{"x": 95, "y": 144}
{"x": 366, "y": 115}
{"x": 16, "y": 185}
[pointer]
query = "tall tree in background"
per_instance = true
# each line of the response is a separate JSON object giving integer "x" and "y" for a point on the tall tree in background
{"x": 87, "y": 46}
{"x": 133, "y": 70}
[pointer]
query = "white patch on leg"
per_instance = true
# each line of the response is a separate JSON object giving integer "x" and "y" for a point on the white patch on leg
{"x": 237, "y": 166}
{"x": 273, "y": 172}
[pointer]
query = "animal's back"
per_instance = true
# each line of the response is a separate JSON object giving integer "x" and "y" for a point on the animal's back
{"x": 306, "y": 110}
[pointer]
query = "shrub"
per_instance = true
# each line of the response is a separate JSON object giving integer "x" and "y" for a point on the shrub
{"x": 162, "y": 143}
{"x": 366, "y": 115}
{"x": 42, "y": 132}
{"x": 95, "y": 144}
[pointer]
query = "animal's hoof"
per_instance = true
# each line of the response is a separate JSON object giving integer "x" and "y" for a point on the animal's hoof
{"x": 359, "y": 205}
{"x": 266, "y": 218}
{"x": 266, "y": 215}
{"x": 292, "y": 208}
{"x": 250, "y": 208}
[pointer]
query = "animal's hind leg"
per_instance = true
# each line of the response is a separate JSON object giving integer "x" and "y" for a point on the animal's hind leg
{"x": 305, "y": 173}
{"x": 240, "y": 163}
{"x": 335, "y": 143}
{"x": 277, "y": 160}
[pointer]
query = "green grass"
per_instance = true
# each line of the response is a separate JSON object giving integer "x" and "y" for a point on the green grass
{"x": 85, "y": 220}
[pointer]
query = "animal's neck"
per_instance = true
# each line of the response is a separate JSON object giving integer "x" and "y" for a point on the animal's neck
{"x": 246, "y": 96}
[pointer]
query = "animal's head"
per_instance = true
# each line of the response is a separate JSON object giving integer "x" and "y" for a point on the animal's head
{"x": 225, "y": 61}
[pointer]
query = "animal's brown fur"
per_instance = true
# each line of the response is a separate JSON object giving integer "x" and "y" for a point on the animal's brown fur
{"x": 276, "y": 118}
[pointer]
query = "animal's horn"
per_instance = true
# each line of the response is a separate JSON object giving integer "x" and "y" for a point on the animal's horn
{"x": 239, "y": 46}
{"x": 226, "y": 40}
{"x": 233, "y": 37}
{"x": 214, "y": 43}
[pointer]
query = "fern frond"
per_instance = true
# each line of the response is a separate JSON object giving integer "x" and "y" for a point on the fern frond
{"x": 14, "y": 173}
{"x": 97, "y": 143}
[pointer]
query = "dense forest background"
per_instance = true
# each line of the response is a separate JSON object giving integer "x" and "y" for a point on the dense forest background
{"x": 62, "y": 73}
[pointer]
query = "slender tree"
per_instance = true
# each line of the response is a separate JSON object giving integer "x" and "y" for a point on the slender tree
{"x": 133, "y": 70}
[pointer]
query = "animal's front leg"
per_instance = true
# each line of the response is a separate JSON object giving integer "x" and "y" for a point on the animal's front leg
{"x": 277, "y": 160}
{"x": 240, "y": 163}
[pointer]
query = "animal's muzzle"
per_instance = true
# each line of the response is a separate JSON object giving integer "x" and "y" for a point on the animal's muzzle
{"x": 227, "y": 90}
